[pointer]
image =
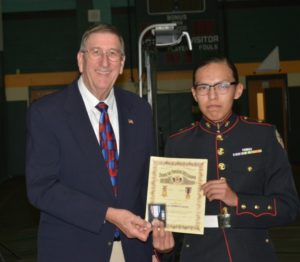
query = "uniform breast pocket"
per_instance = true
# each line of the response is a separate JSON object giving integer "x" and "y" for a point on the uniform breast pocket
{"x": 247, "y": 173}
{"x": 247, "y": 242}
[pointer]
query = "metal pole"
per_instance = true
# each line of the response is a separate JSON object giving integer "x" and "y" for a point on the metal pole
{"x": 149, "y": 77}
{"x": 140, "y": 44}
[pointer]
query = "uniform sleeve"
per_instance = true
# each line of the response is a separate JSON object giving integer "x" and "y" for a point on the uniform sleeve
{"x": 279, "y": 204}
{"x": 168, "y": 151}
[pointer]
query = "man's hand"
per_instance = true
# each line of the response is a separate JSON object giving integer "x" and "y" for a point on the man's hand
{"x": 220, "y": 190}
{"x": 163, "y": 241}
{"x": 131, "y": 225}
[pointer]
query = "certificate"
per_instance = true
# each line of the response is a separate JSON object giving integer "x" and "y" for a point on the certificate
{"x": 174, "y": 195}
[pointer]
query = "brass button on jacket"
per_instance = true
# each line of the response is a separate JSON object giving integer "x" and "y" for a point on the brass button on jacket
{"x": 219, "y": 137}
{"x": 221, "y": 166}
{"x": 221, "y": 151}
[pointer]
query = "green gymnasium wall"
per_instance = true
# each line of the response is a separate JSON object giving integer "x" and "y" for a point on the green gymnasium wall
{"x": 47, "y": 41}
{"x": 252, "y": 33}
{"x": 45, "y": 37}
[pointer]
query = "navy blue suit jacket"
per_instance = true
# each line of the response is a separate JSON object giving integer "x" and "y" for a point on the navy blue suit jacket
{"x": 68, "y": 181}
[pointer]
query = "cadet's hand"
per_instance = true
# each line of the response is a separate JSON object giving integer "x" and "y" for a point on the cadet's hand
{"x": 220, "y": 190}
{"x": 131, "y": 225}
{"x": 163, "y": 241}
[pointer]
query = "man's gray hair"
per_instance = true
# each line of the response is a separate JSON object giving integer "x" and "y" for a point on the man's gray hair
{"x": 102, "y": 28}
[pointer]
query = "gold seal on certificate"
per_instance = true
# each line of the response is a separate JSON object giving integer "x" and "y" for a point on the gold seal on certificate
{"x": 174, "y": 193}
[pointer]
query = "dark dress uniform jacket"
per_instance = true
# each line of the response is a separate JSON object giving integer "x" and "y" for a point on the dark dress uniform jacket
{"x": 249, "y": 155}
{"x": 68, "y": 181}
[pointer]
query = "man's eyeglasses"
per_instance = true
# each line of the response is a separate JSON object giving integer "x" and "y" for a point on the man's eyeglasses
{"x": 220, "y": 87}
{"x": 113, "y": 55}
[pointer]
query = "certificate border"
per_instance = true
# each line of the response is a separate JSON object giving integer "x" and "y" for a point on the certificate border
{"x": 198, "y": 225}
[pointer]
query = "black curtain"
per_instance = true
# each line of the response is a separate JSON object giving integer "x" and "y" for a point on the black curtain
{"x": 2, "y": 117}
{"x": 2, "y": 104}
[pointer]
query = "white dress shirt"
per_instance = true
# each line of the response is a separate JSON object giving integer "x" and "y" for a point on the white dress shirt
{"x": 90, "y": 102}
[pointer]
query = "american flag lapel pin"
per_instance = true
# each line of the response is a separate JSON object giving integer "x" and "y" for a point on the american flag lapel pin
{"x": 130, "y": 122}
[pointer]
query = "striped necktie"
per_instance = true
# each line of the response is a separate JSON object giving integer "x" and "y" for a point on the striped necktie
{"x": 108, "y": 145}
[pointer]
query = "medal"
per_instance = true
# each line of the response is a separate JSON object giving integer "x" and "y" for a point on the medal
{"x": 224, "y": 218}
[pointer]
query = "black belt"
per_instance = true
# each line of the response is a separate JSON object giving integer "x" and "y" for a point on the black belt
{"x": 117, "y": 238}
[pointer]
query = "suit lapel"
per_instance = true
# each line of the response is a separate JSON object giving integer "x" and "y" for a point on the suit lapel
{"x": 82, "y": 130}
{"x": 127, "y": 132}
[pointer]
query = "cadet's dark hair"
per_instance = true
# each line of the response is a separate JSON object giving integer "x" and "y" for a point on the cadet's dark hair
{"x": 216, "y": 59}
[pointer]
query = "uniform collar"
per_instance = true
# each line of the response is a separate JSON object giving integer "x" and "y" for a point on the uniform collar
{"x": 220, "y": 127}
